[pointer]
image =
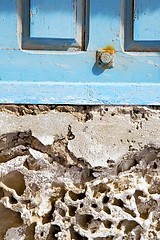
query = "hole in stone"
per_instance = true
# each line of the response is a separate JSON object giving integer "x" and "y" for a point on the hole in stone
{"x": 60, "y": 159}
{"x": 142, "y": 208}
{"x": 32, "y": 164}
{"x": 75, "y": 235}
{"x": 12, "y": 200}
{"x": 49, "y": 216}
{"x": 110, "y": 163}
{"x": 118, "y": 202}
{"x": 75, "y": 196}
{"x": 137, "y": 194}
{"x": 8, "y": 219}
{"x": 105, "y": 199}
{"x": 93, "y": 230}
{"x": 107, "y": 224}
{"x": 1, "y": 193}
{"x": 54, "y": 229}
{"x": 25, "y": 201}
{"x": 15, "y": 180}
{"x": 61, "y": 212}
{"x": 72, "y": 210}
{"x": 67, "y": 219}
{"x": 42, "y": 233}
{"x": 158, "y": 226}
{"x": 81, "y": 205}
{"x": 144, "y": 215}
{"x": 70, "y": 135}
{"x": 136, "y": 111}
{"x": 62, "y": 191}
{"x": 107, "y": 210}
{"x": 145, "y": 208}
{"x": 62, "y": 194}
{"x": 94, "y": 205}
{"x": 143, "y": 115}
{"x": 155, "y": 165}
{"x": 129, "y": 225}
{"x": 30, "y": 231}
{"x": 26, "y": 164}
{"x": 89, "y": 116}
{"x": 131, "y": 212}
{"x": 148, "y": 179}
{"x": 100, "y": 188}
{"x": 129, "y": 197}
{"x": 84, "y": 220}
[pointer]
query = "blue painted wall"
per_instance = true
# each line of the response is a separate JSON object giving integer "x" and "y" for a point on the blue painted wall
{"x": 33, "y": 71}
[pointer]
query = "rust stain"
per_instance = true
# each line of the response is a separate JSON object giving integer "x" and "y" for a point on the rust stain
{"x": 105, "y": 57}
{"x": 110, "y": 49}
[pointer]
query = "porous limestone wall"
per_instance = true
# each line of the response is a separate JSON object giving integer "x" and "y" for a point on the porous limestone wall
{"x": 79, "y": 172}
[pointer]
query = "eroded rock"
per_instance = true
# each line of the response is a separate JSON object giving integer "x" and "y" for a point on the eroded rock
{"x": 49, "y": 193}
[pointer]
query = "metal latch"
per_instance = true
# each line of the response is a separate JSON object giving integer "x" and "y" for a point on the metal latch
{"x": 105, "y": 57}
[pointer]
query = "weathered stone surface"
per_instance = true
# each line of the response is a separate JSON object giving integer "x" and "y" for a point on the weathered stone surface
{"x": 92, "y": 174}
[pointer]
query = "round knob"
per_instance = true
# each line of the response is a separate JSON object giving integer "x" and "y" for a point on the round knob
{"x": 105, "y": 58}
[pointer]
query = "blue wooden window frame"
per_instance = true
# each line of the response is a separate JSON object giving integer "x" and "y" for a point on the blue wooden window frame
{"x": 130, "y": 45}
{"x": 55, "y": 44}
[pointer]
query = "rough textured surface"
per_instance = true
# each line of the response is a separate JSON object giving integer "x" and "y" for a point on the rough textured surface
{"x": 88, "y": 174}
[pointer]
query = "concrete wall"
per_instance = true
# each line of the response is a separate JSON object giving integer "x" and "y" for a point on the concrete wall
{"x": 79, "y": 172}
